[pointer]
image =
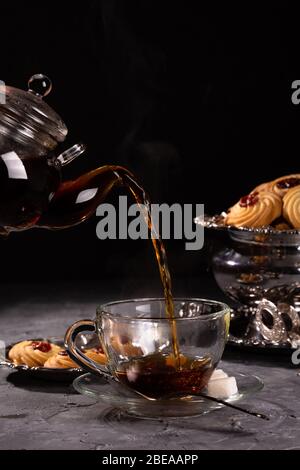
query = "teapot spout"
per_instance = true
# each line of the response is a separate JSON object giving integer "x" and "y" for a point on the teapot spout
{"x": 69, "y": 155}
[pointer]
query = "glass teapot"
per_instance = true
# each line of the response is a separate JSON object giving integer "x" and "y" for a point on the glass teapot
{"x": 32, "y": 193}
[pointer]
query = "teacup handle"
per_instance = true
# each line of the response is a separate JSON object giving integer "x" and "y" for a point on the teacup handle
{"x": 76, "y": 354}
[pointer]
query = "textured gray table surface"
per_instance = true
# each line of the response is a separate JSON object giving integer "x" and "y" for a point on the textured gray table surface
{"x": 42, "y": 415}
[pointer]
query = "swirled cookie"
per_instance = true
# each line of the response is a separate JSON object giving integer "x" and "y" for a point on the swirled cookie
{"x": 282, "y": 185}
{"x": 96, "y": 355}
{"x": 255, "y": 210}
{"x": 291, "y": 206}
{"x": 261, "y": 187}
{"x": 32, "y": 353}
{"x": 124, "y": 347}
{"x": 282, "y": 225}
{"x": 61, "y": 360}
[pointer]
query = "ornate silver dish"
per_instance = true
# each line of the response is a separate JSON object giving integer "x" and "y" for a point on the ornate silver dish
{"x": 259, "y": 271}
{"x": 217, "y": 222}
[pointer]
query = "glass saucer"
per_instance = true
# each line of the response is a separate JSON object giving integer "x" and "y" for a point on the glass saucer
{"x": 117, "y": 396}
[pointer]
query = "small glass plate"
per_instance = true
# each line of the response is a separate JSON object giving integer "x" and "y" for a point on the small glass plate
{"x": 113, "y": 394}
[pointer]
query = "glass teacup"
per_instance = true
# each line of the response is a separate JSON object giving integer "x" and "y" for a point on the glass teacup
{"x": 138, "y": 341}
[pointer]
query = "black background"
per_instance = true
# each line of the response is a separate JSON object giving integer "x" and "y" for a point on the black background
{"x": 197, "y": 102}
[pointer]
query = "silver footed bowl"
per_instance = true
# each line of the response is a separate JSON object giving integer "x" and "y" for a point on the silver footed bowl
{"x": 258, "y": 269}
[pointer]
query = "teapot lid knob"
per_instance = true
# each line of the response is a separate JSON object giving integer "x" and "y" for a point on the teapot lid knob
{"x": 40, "y": 85}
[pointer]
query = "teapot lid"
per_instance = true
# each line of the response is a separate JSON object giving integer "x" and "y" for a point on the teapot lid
{"x": 25, "y": 117}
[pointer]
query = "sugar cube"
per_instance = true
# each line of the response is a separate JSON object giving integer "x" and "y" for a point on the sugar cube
{"x": 222, "y": 388}
{"x": 218, "y": 374}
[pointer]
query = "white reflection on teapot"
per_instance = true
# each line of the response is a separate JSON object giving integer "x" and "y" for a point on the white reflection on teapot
{"x": 15, "y": 167}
